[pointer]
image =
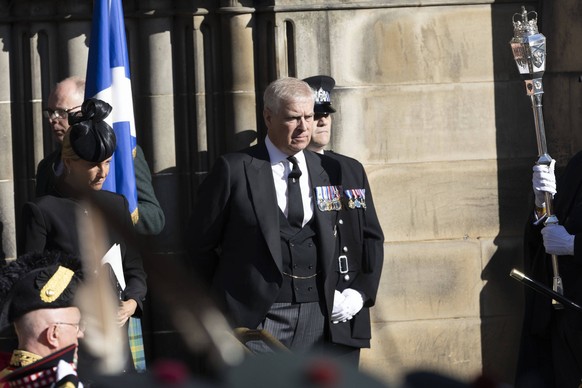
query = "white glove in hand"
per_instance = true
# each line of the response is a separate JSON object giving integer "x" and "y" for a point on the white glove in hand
{"x": 543, "y": 181}
{"x": 354, "y": 300}
{"x": 350, "y": 306}
{"x": 557, "y": 240}
{"x": 337, "y": 312}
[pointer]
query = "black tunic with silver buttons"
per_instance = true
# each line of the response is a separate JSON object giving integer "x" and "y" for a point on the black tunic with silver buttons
{"x": 360, "y": 249}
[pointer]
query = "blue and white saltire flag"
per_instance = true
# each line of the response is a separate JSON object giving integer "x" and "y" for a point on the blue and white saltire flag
{"x": 108, "y": 80}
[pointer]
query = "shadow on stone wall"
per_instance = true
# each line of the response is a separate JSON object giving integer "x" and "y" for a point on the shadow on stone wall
{"x": 501, "y": 299}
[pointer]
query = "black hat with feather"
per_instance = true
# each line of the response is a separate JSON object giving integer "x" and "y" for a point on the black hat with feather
{"x": 37, "y": 281}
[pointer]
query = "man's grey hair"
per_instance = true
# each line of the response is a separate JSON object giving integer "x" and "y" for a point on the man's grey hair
{"x": 79, "y": 86}
{"x": 285, "y": 90}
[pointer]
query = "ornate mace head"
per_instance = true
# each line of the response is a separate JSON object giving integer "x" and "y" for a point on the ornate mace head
{"x": 528, "y": 45}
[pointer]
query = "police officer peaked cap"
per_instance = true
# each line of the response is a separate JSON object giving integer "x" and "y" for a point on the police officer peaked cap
{"x": 322, "y": 86}
{"x": 37, "y": 281}
{"x": 92, "y": 139}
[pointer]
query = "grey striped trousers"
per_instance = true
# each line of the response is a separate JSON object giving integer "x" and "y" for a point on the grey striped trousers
{"x": 299, "y": 326}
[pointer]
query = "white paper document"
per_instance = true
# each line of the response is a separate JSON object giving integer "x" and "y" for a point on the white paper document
{"x": 113, "y": 257}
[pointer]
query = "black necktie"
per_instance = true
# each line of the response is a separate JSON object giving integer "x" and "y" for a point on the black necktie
{"x": 294, "y": 202}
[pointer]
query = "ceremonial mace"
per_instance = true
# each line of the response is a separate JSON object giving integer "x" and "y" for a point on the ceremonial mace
{"x": 529, "y": 52}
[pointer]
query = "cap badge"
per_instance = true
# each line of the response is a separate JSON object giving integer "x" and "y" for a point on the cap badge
{"x": 322, "y": 96}
{"x": 56, "y": 285}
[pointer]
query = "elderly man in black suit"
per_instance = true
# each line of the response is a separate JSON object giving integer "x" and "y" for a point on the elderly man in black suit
{"x": 258, "y": 237}
{"x": 358, "y": 263}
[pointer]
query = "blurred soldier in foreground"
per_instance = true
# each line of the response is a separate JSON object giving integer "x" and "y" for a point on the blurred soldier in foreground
{"x": 36, "y": 296}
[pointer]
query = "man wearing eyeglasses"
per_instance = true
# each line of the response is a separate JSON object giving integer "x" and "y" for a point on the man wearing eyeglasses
{"x": 36, "y": 295}
{"x": 45, "y": 331}
{"x": 66, "y": 98}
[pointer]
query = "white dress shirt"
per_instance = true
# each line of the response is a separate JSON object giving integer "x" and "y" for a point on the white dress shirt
{"x": 281, "y": 168}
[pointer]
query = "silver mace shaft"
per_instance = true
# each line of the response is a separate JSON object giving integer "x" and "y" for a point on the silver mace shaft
{"x": 529, "y": 52}
{"x": 545, "y": 159}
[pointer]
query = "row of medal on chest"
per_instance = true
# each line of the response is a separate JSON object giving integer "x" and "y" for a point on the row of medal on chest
{"x": 330, "y": 198}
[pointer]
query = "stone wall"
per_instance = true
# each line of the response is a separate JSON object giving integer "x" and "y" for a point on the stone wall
{"x": 430, "y": 101}
{"x": 428, "y": 98}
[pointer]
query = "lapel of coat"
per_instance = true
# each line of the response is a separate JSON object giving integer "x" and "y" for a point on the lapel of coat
{"x": 264, "y": 200}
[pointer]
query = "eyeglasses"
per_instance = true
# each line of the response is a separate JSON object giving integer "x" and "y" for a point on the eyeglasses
{"x": 54, "y": 114}
{"x": 78, "y": 326}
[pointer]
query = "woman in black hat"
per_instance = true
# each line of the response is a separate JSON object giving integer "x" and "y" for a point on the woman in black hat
{"x": 61, "y": 220}
{"x": 88, "y": 147}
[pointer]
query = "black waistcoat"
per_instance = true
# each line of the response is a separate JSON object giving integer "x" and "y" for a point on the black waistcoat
{"x": 301, "y": 276}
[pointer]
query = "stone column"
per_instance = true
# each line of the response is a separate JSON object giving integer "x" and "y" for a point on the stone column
{"x": 239, "y": 76}
{"x": 7, "y": 219}
{"x": 37, "y": 39}
{"x": 74, "y": 36}
{"x": 158, "y": 90}
{"x": 281, "y": 35}
{"x": 199, "y": 84}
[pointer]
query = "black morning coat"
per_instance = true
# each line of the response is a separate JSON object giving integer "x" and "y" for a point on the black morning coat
{"x": 234, "y": 237}
{"x": 361, "y": 240}
{"x": 50, "y": 222}
{"x": 551, "y": 343}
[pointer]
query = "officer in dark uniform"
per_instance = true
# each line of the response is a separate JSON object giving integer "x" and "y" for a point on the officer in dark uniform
{"x": 360, "y": 238}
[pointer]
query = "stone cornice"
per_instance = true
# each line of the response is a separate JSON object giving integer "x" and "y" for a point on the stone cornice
{"x": 64, "y": 17}
{"x": 302, "y": 6}
{"x": 235, "y": 10}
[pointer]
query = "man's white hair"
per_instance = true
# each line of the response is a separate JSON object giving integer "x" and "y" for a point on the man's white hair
{"x": 284, "y": 90}
{"x": 79, "y": 84}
